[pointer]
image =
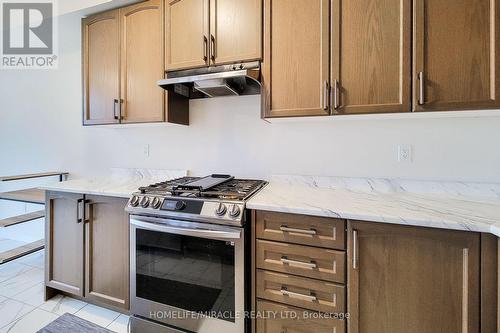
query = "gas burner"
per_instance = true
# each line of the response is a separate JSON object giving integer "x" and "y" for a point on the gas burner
{"x": 226, "y": 187}
{"x": 215, "y": 199}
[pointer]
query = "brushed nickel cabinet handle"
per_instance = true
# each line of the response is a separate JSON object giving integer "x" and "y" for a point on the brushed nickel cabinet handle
{"x": 326, "y": 96}
{"x": 465, "y": 290}
{"x": 212, "y": 47}
{"x": 121, "y": 109}
{"x": 311, "y": 265}
{"x": 421, "y": 88}
{"x": 205, "y": 48}
{"x": 79, "y": 211}
{"x": 355, "y": 249}
{"x": 336, "y": 94}
{"x": 115, "y": 101}
{"x": 88, "y": 211}
{"x": 312, "y": 297}
{"x": 284, "y": 228}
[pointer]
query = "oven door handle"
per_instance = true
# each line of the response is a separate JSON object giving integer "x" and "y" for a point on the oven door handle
{"x": 203, "y": 233}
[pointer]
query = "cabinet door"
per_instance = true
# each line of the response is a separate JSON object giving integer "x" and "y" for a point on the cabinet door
{"x": 295, "y": 70}
{"x": 371, "y": 49}
{"x": 286, "y": 319}
{"x": 65, "y": 243}
{"x": 456, "y": 56}
{"x": 107, "y": 251}
{"x": 101, "y": 68}
{"x": 413, "y": 280}
{"x": 235, "y": 30}
{"x": 186, "y": 34}
{"x": 142, "y": 62}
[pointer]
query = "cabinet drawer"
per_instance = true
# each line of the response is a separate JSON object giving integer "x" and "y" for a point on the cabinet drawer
{"x": 301, "y": 229}
{"x": 312, "y": 262}
{"x": 305, "y": 293}
{"x": 288, "y": 319}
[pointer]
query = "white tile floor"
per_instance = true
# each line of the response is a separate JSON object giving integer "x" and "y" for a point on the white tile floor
{"x": 23, "y": 310}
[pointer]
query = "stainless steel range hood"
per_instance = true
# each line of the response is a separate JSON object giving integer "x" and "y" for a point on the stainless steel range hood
{"x": 226, "y": 80}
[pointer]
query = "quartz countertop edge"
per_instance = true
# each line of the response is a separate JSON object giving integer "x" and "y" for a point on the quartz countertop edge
{"x": 462, "y": 209}
{"x": 121, "y": 183}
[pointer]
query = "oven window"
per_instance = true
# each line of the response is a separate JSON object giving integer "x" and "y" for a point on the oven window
{"x": 190, "y": 273}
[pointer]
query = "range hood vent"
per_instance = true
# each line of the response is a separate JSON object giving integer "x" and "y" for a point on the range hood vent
{"x": 207, "y": 82}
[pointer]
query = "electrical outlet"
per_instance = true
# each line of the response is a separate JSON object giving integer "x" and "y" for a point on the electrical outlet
{"x": 405, "y": 153}
{"x": 146, "y": 150}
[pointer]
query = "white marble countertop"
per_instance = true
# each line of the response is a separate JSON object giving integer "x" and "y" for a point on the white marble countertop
{"x": 459, "y": 206}
{"x": 120, "y": 183}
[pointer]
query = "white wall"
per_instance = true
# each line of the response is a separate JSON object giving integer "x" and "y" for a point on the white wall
{"x": 40, "y": 129}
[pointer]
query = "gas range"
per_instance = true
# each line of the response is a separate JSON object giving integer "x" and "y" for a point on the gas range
{"x": 180, "y": 227}
{"x": 218, "y": 199}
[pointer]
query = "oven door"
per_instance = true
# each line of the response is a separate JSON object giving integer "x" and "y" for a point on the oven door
{"x": 188, "y": 275}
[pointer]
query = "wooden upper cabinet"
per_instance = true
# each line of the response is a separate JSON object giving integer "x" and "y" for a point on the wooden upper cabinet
{"x": 64, "y": 242}
{"x": 295, "y": 70}
{"x": 101, "y": 74}
{"x": 107, "y": 251}
{"x": 457, "y": 50}
{"x": 371, "y": 49}
{"x": 187, "y": 36}
{"x": 412, "y": 279}
{"x": 235, "y": 30}
{"x": 142, "y": 62}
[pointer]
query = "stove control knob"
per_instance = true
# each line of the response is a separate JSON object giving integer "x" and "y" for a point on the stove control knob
{"x": 134, "y": 201}
{"x": 156, "y": 203}
{"x": 235, "y": 211}
{"x": 221, "y": 209}
{"x": 144, "y": 202}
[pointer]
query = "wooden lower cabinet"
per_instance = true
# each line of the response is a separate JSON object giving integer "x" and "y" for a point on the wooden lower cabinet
{"x": 300, "y": 229}
{"x": 64, "y": 248}
{"x": 399, "y": 278}
{"x": 286, "y": 319}
{"x": 306, "y": 261}
{"x": 88, "y": 245}
{"x": 412, "y": 279}
{"x": 309, "y": 294}
{"x": 107, "y": 251}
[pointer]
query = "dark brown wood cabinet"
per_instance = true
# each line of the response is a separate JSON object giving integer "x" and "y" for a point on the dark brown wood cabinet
{"x": 396, "y": 278}
{"x": 87, "y": 247}
{"x": 456, "y": 55}
{"x": 64, "y": 248}
{"x": 187, "y": 45}
{"x": 356, "y": 59}
{"x": 235, "y": 30}
{"x": 101, "y": 72}
{"x": 371, "y": 57}
{"x": 298, "y": 267}
{"x": 412, "y": 279}
{"x": 107, "y": 251}
{"x": 142, "y": 62}
{"x": 123, "y": 59}
{"x": 290, "y": 320}
{"x": 384, "y": 56}
{"x": 296, "y": 69}
{"x": 219, "y": 32}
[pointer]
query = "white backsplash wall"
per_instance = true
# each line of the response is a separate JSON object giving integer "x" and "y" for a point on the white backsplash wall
{"x": 40, "y": 129}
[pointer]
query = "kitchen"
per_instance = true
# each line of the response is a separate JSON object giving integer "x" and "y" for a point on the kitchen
{"x": 368, "y": 140}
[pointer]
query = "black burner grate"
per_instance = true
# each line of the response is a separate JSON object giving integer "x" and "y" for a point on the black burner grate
{"x": 233, "y": 189}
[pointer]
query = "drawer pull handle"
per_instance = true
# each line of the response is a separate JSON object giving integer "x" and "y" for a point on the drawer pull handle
{"x": 310, "y": 265}
{"x": 355, "y": 249}
{"x": 312, "y": 297}
{"x": 284, "y": 228}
